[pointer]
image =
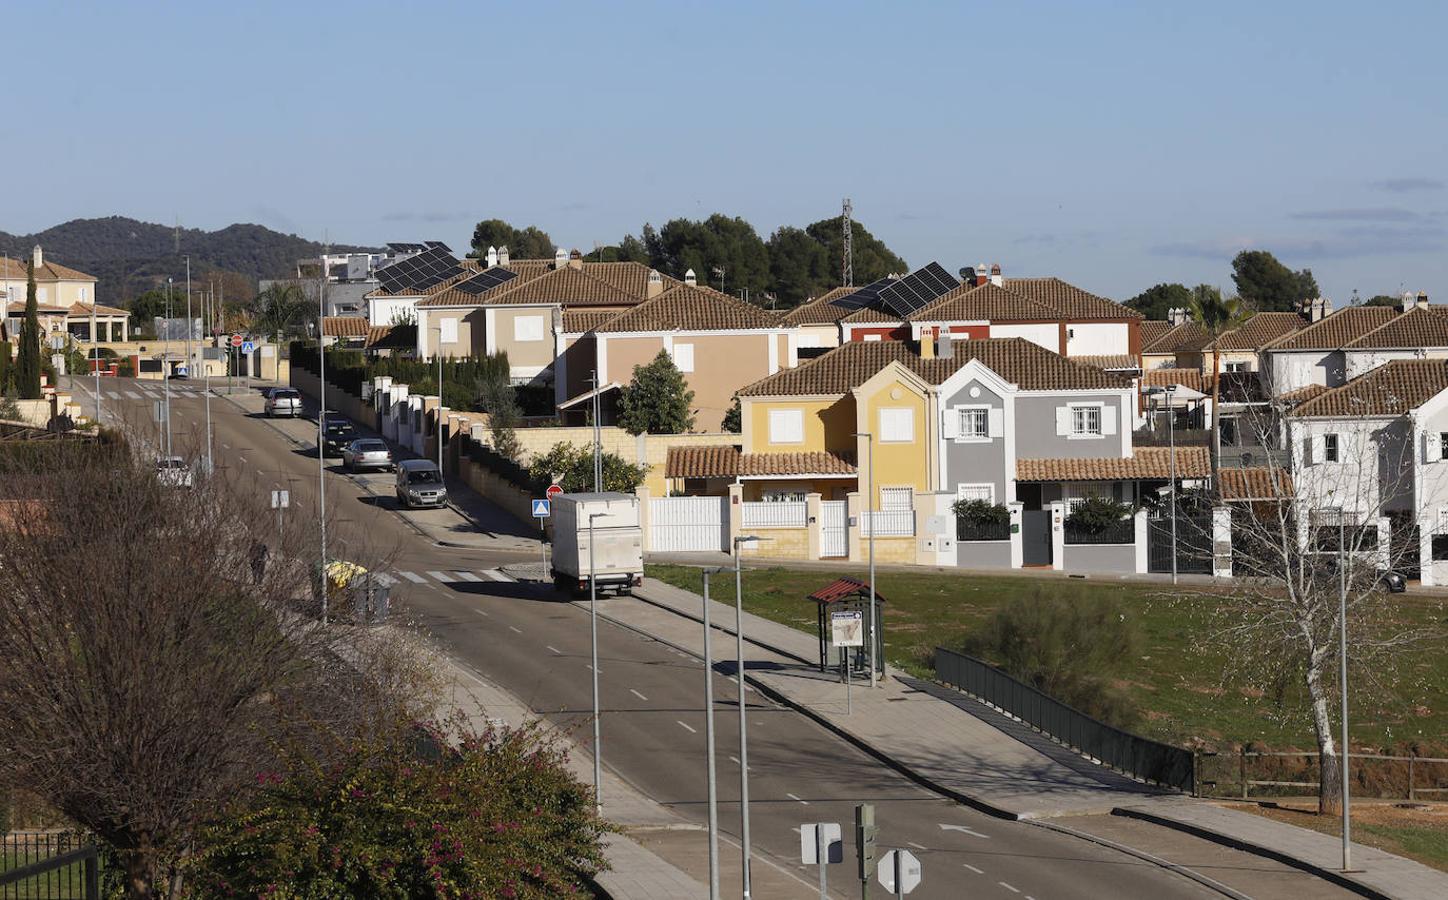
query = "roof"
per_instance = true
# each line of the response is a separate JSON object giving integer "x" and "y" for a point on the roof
{"x": 1189, "y": 378}
{"x": 1260, "y": 330}
{"x": 985, "y": 302}
{"x": 1153, "y": 329}
{"x": 577, "y": 284}
{"x": 842, "y": 589}
{"x": 470, "y": 267}
{"x": 1069, "y": 300}
{"x": 728, "y": 461}
{"x": 1188, "y": 337}
{"x": 391, "y": 337}
{"x": 344, "y": 326}
{"x": 1146, "y": 462}
{"x": 1417, "y": 328}
{"x": 1254, "y": 483}
{"x": 820, "y": 312}
{"x": 1015, "y": 359}
{"x": 1336, "y": 330}
{"x": 14, "y": 270}
{"x": 690, "y": 307}
{"x": 580, "y": 321}
{"x": 84, "y": 309}
{"x": 18, "y": 306}
{"x": 1108, "y": 361}
{"x": 1391, "y": 389}
{"x": 1302, "y": 394}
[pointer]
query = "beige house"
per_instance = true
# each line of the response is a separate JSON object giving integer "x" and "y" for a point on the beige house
{"x": 66, "y": 301}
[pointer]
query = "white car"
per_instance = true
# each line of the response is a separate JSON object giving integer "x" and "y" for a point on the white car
{"x": 173, "y": 471}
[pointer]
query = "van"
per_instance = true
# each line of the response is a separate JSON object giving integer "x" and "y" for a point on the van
{"x": 419, "y": 483}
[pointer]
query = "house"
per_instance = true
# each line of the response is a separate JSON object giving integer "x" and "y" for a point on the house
{"x": 66, "y": 301}
{"x": 1315, "y": 353}
{"x": 1178, "y": 345}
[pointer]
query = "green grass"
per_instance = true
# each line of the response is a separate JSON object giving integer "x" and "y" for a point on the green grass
{"x": 1177, "y": 679}
{"x": 65, "y": 881}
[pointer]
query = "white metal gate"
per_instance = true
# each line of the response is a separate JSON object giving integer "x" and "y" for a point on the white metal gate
{"x": 688, "y": 523}
{"x": 833, "y": 518}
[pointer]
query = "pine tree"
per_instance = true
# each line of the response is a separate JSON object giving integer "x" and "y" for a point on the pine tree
{"x": 27, "y": 363}
{"x": 657, "y": 400}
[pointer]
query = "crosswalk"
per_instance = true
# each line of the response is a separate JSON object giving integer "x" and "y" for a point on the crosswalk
{"x": 441, "y": 576}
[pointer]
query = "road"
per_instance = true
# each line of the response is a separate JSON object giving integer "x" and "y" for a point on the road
{"x": 531, "y": 641}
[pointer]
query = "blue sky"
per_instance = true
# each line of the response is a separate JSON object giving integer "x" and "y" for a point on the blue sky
{"x": 1114, "y": 145}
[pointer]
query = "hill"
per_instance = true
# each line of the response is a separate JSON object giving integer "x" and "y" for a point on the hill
{"x": 130, "y": 257}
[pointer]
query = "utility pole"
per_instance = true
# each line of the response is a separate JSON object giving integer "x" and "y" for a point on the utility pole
{"x": 1342, "y": 675}
{"x": 868, "y": 515}
{"x": 165, "y": 375}
{"x": 597, "y": 438}
{"x": 593, "y": 640}
{"x": 743, "y": 723}
{"x": 847, "y": 226}
{"x": 709, "y": 747}
{"x": 190, "y": 369}
{"x": 321, "y": 435}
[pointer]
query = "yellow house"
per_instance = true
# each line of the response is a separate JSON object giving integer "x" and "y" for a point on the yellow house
{"x": 55, "y": 285}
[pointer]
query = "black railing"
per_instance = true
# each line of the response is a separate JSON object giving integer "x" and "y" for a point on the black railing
{"x": 1183, "y": 437}
{"x": 969, "y": 530}
{"x": 48, "y": 866}
{"x": 1122, "y": 531}
{"x": 1190, "y": 548}
{"x": 1138, "y": 757}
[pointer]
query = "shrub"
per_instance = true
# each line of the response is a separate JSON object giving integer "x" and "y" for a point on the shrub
{"x": 575, "y": 466}
{"x": 452, "y": 812}
{"x": 1066, "y": 648}
{"x": 981, "y": 512}
{"x": 1096, "y": 514}
{"x": 657, "y": 401}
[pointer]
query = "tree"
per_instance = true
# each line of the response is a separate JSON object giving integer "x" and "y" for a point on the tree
{"x": 1382, "y": 300}
{"x": 525, "y": 243}
{"x": 497, "y": 397}
{"x": 1160, "y": 299}
{"x": 1209, "y": 309}
{"x": 1267, "y": 285}
{"x": 733, "y": 419}
{"x": 800, "y": 265}
{"x": 145, "y": 309}
{"x": 872, "y": 259}
{"x": 724, "y": 252}
{"x": 27, "y": 363}
{"x": 657, "y": 400}
{"x": 571, "y": 467}
{"x": 282, "y": 309}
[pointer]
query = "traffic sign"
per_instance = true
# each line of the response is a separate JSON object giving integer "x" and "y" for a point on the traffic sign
{"x": 248, "y": 347}
{"x": 810, "y": 839}
{"x": 899, "y": 865}
{"x": 847, "y": 628}
{"x": 236, "y": 340}
{"x": 281, "y": 499}
{"x": 542, "y": 509}
{"x": 553, "y": 491}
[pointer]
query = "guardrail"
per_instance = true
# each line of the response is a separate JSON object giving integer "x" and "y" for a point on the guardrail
{"x": 790, "y": 514}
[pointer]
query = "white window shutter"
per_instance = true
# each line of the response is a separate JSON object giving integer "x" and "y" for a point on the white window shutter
{"x": 950, "y": 423}
{"x": 1432, "y": 446}
{"x": 1108, "y": 420}
{"x": 996, "y": 423}
{"x": 1063, "y": 421}
{"x": 1318, "y": 447}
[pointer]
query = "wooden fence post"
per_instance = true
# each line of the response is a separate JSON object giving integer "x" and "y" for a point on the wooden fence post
{"x": 1411, "y": 792}
{"x": 1242, "y": 769}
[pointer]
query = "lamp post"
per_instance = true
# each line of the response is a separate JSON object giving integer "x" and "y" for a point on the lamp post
{"x": 438, "y": 329}
{"x": 743, "y": 724}
{"x": 321, "y": 431}
{"x": 1342, "y": 675}
{"x": 166, "y": 376}
{"x": 709, "y": 748}
{"x": 1167, "y": 391}
{"x": 869, "y": 516}
{"x": 593, "y": 640}
{"x": 96, "y": 360}
{"x": 597, "y": 437}
{"x": 189, "y": 367}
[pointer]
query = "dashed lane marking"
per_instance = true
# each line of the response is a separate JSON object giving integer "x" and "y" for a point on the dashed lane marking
{"x": 1013, "y": 890}
{"x": 638, "y": 695}
{"x": 796, "y": 799}
{"x": 413, "y": 577}
{"x": 515, "y": 630}
{"x": 687, "y": 727}
{"x": 918, "y": 846}
{"x": 482, "y": 612}
{"x": 974, "y": 869}
{"x": 553, "y": 649}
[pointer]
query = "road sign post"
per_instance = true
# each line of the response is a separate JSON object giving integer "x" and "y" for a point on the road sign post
{"x": 847, "y": 629}
{"x": 820, "y": 844}
{"x": 553, "y": 491}
{"x": 542, "y": 509}
{"x": 280, "y": 500}
{"x": 865, "y": 845}
{"x": 899, "y": 872}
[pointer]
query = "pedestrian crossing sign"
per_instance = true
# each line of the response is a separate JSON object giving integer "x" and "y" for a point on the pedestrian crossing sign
{"x": 542, "y": 509}
{"x": 248, "y": 347}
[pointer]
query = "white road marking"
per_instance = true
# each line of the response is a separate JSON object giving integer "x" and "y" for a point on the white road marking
{"x": 242, "y": 458}
{"x": 413, "y": 577}
{"x": 467, "y": 576}
{"x": 495, "y": 575}
{"x": 515, "y": 630}
{"x": 638, "y": 695}
{"x": 553, "y": 649}
{"x": 962, "y": 828}
{"x": 444, "y": 577}
{"x": 1013, "y": 890}
{"x": 385, "y": 580}
{"x": 974, "y": 869}
{"x": 687, "y": 727}
{"x": 133, "y": 395}
{"x": 226, "y": 446}
{"x": 918, "y": 846}
{"x": 590, "y": 668}
{"x": 796, "y": 799}
{"x": 482, "y": 612}
{"x": 114, "y": 395}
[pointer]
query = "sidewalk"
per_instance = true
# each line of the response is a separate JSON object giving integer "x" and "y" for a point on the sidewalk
{"x": 971, "y": 753}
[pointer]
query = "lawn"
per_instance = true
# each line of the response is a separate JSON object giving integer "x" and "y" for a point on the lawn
{"x": 1177, "y": 679}
{"x": 1420, "y": 833}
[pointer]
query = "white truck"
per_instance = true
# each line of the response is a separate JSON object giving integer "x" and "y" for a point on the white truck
{"x": 618, "y": 558}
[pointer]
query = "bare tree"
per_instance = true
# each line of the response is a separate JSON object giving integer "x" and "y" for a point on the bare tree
{"x": 149, "y": 665}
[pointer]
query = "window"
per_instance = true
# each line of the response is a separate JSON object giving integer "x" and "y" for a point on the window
{"x": 783, "y": 496}
{"x": 1237, "y": 367}
{"x": 786, "y": 426}
{"x": 807, "y": 340}
{"x": 1443, "y": 445}
{"x": 684, "y": 357}
{"x": 1329, "y": 448}
{"x": 868, "y": 337}
{"x": 984, "y": 492}
{"x": 975, "y": 423}
{"x": 897, "y": 498}
{"x": 1076, "y": 494}
{"x": 449, "y": 331}
{"x": 1086, "y": 420}
{"x": 41, "y": 294}
{"x": 897, "y": 425}
{"x": 528, "y": 328}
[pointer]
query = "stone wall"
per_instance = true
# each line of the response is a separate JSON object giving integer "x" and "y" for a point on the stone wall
{"x": 651, "y": 450}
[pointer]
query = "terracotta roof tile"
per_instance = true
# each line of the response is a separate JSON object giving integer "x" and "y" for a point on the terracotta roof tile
{"x": 1254, "y": 483}
{"x": 581, "y": 321}
{"x": 1336, "y": 330}
{"x": 14, "y": 270}
{"x": 344, "y": 326}
{"x": 1260, "y": 330}
{"x": 820, "y": 312}
{"x": 691, "y": 308}
{"x": 871, "y": 315}
{"x": 1389, "y": 390}
{"x": 1188, "y": 378}
{"x": 1147, "y": 462}
{"x": 1302, "y": 394}
{"x": 1187, "y": 337}
{"x": 1014, "y": 359}
{"x": 1152, "y": 330}
{"x": 1414, "y": 329}
{"x": 1069, "y": 300}
{"x": 727, "y": 461}
{"x": 84, "y": 309}
{"x": 985, "y": 302}
{"x": 1108, "y": 361}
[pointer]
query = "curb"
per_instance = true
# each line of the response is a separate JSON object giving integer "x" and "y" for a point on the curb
{"x": 1198, "y": 877}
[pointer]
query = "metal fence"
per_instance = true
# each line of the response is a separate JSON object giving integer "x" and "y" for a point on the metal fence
{"x": 1190, "y": 547}
{"x": 888, "y": 523}
{"x": 788, "y": 514}
{"x": 1122, "y": 531}
{"x": 968, "y": 530}
{"x": 48, "y": 866}
{"x": 1132, "y": 755}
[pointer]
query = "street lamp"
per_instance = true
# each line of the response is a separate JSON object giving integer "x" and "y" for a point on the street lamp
{"x": 1167, "y": 391}
{"x": 1342, "y": 674}
{"x": 709, "y": 749}
{"x": 593, "y": 639}
{"x": 869, "y": 516}
{"x": 321, "y": 430}
{"x": 438, "y": 329}
{"x": 743, "y": 724}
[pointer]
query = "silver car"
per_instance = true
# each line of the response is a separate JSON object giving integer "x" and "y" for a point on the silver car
{"x": 283, "y": 402}
{"x": 366, "y": 453}
{"x": 173, "y": 471}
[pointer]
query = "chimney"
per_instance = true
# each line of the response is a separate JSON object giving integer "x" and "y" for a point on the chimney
{"x": 492, "y": 257}
{"x": 689, "y": 277}
{"x": 37, "y": 257}
{"x": 655, "y": 285}
{"x": 946, "y": 348}
{"x": 560, "y": 258}
{"x": 575, "y": 259}
{"x": 995, "y": 275}
{"x": 503, "y": 255}
{"x": 927, "y": 342}
{"x": 980, "y": 274}
{"x": 1422, "y": 299}
{"x": 1407, "y": 301}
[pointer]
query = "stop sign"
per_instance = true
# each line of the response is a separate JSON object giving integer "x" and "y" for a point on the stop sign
{"x": 236, "y": 340}
{"x": 553, "y": 491}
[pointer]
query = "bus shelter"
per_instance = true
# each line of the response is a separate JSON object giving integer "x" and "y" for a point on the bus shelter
{"x": 848, "y": 595}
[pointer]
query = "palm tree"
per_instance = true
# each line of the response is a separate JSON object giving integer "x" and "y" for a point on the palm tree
{"x": 1217, "y": 315}
{"x": 282, "y": 309}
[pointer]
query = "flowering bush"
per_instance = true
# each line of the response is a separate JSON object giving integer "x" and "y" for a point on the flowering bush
{"x": 447, "y": 812}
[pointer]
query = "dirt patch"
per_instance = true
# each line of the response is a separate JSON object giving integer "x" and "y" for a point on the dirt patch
{"x": 1417, "y": 831}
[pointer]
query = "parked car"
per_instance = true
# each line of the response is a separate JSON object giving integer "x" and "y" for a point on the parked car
{"x": 336, "y": 435}
{"x": 173, "y": 471}
{"x": 367, "y": 453}
{"x": 283, "y": 402}
{"x": 419, "y": 483}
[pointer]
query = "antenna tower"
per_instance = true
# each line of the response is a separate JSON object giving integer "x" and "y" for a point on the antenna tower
{"x": 849, "y": 261}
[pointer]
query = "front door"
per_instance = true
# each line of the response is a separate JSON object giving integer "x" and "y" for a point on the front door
{"x": 1036, "y": 537}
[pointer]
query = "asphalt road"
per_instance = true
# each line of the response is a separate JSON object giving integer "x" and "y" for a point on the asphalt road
{"x": 526, "y": 638}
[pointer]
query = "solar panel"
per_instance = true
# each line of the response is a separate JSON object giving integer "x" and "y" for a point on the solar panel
{"x": 437, "y": 245}
{"x": 913, "y": 292}
{"x": 402, "y": 247}
{"x": 418, "y": 273}
{"x": 485, "y": 280}
{"x": 863, "y": 297}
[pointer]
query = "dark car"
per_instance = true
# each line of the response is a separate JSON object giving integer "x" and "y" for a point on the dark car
{"x": 336, "y": 435}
